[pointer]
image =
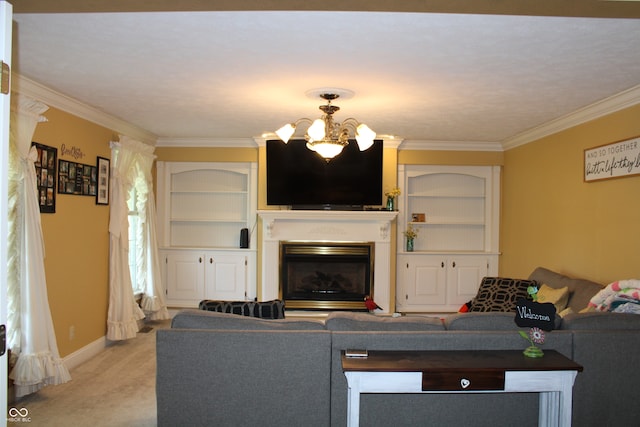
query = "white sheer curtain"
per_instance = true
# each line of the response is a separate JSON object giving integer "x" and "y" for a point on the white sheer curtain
{"x": 130, "y": 160}
{"x": 31, "y": 333}
{"x": 153, "y": 302}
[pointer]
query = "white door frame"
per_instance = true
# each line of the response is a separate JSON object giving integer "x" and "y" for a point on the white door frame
{"x": 5, "y": 55}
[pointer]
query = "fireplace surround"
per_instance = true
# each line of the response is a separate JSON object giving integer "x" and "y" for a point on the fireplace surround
{"x": 322, "y": 228}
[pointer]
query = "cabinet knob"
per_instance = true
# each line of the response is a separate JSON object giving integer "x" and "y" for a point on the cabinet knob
{"x": 442, "y": 264}
{"x": 454, "y": 264}
{"x": 200, "y": 260}
{"x": 210, "y": 260}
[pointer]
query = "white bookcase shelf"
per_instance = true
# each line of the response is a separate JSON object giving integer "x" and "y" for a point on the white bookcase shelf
{"x": 457, "y": 242}
{"x": 202, "y": 206}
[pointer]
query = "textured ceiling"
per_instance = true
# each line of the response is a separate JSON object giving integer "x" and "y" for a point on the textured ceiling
{"x": 419, "y": 76}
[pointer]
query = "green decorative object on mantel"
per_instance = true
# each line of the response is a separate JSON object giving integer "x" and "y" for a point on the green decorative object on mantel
{"x": 391, "y": 198}
{"x": 391, "y": 203}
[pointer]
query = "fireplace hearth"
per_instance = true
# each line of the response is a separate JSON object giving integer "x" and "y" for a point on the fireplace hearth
{"x": 325, "y": 275}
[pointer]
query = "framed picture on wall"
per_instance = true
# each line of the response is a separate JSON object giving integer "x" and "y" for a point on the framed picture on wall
{"x": 77, "y": 178}
{"x": 45, "y": 166}
{"x": 102, "y": 195}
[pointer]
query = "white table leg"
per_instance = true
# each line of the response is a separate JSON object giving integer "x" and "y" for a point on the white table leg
{"x": 353, "y": 399}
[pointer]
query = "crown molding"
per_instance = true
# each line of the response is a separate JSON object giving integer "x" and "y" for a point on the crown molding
{"x": 207, "y": 142}
{"x": 450, "y": 145}
{"x": 28, "y": 87}
{"x": 619, "y": 101}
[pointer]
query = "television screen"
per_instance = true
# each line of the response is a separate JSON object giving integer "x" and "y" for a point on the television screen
{"x": 299, "y": 177}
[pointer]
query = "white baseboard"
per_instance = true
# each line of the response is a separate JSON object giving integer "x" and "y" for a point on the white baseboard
{"x": 80, "y": 356}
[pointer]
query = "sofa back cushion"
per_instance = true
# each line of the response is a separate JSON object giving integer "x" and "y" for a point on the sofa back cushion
{"x": 599, "y": 320}
{"x": 486, "y": 322}
{"x": 481, "y": 322}
{"x": 354, "y": 321}
{"x": 580, "y": 290}
{"x": 200, "y": 319}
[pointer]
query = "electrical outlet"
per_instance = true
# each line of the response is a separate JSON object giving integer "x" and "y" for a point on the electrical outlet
{"x": 72, "y": 333}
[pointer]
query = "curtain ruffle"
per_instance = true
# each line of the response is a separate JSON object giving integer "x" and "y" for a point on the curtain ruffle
{"x": 118, "y": 331}
{"x": 34, "y": 371}
{"x": 154, "y": 308}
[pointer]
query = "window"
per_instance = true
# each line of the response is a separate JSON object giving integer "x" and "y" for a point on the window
{"x": 135, "y": 242}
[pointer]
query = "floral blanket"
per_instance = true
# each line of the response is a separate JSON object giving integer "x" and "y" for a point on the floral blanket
{"x": 622, "y": 296}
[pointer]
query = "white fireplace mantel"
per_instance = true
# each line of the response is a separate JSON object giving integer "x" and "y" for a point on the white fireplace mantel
{"x": 327, "y": 226}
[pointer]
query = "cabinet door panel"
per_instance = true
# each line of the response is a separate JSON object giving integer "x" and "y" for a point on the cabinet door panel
{"x": 225, "y": 277}
{"x": 465, "y": 274}
{"x": 429, "y": 285}
{"x": 185, "y": 276}
{"x": 425, "y": 281}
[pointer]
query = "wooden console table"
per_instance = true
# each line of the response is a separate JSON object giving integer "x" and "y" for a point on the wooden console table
{"x": 481, "y": 371}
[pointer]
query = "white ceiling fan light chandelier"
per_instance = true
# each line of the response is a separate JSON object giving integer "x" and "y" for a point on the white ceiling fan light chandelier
{"x": 326, "y": 136}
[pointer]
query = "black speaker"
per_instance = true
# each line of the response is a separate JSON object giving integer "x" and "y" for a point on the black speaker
{"x": 244, "y": 238}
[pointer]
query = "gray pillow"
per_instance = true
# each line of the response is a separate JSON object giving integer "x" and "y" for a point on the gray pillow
{"x": 353, "y": 321}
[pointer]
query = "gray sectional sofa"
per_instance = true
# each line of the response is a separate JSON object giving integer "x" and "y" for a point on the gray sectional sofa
{"x": 229, "y": 370}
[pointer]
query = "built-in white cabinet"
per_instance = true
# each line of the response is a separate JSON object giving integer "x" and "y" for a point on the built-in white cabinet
{"x": 439, "y": 283}
{"x": 202, "y": 208}
{"x": 455, "y": 210}
{"x": 193, "y": 275}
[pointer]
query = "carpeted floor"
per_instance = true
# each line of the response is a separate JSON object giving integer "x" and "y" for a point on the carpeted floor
{"x": 115, "y": 388}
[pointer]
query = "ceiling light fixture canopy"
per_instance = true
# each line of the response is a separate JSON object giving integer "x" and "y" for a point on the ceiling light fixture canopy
{"x": 326, "y": 136}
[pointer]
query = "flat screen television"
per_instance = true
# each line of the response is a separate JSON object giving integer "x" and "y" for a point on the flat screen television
{"x": 299, "y": 177}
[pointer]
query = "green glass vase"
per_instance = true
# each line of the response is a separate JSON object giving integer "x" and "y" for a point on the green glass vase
{"x": 409, "y": 245}
{"x": 391, "y": 203}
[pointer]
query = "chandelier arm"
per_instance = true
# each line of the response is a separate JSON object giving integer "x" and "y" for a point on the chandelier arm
{"x": 302, "y": 120}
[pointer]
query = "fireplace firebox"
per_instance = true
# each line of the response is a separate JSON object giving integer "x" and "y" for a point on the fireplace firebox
{"x": 326, "y": 275}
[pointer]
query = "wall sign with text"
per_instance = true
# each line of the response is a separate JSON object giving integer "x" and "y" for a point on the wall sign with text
{"x": 614, "y": 160}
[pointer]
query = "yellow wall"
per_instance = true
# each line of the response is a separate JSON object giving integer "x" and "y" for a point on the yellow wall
{"x": 551, "y": 218}
{"x": 76, "y": 239}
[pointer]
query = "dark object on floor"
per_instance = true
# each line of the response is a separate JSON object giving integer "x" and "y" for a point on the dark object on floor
{"x": 146, "y": 329}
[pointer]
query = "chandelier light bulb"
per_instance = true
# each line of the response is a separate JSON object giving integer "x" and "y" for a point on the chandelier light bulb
{"x": 317, "y": 130}
{"x": 286, "y": 132}
{"x": 364, "y": 136}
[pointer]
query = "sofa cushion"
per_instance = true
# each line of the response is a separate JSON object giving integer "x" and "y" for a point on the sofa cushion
{"x": 273, "y": 309}
{"x": 598, "y": 320}
{"x": 200, "y": 319}
{"x": 500, "y": 294}
{"x": 580, "y": 290}
{"x": 556, "y": 296}
{"x": 478, "y": 321}
{"x": 352, "y": 321}
{"x": 485, "y": 321}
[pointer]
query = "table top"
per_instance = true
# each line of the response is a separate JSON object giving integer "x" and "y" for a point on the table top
{"x": 461, "y": 360}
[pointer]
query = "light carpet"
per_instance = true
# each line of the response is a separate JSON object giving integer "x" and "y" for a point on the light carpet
{"x": 114, "y": 388}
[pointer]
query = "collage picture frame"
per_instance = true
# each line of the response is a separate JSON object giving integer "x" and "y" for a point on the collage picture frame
{"x": 45, "y": 166}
